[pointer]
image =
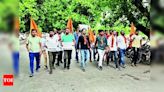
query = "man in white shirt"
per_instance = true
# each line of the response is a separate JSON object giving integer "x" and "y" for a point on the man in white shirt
{"x": 122, "y": 45}
{"x": 112, "y": 43}
{"x": 52, "y": 47}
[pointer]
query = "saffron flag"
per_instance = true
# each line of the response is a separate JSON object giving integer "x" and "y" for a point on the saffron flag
{"x": 70, "y": 25}
{"x": 91, "y": 36}
{"x": 16, "y": 24}
{"x": 132, "y": 29}
{"x": 34, "y": 26}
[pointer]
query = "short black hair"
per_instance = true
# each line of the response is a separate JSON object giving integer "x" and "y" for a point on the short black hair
{"x": 100, "y": 30}
{"x": 66, "y": 28}
{"x": 33, "y": 30}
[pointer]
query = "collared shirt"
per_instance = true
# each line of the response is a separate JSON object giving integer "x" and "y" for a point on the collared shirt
{"x": 136, "y": 41}
{"x": 34, "y": 44}
{"x": 114, "y": 43}
{"x": 122, "y": 44}
{"x": 52, "y": 43}
{"x": 68, "y": 41}
{"x": 101, "y": 41}
{"x": 76, "y": 36}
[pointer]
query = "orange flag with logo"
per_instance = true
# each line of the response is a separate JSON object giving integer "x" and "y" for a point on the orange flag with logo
{"x": 70, "y": 25}
{"x": 34, "y": 26}
{"x": 16, "y": 24}
{"x": 132, "y": 28}
{"x": 91, "y": 36}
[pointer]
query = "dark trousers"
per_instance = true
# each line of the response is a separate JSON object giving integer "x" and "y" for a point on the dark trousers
{"x": 60, "y": 53}
{"x": 52, "y": 57}
{"x": 37, "y": 57}
{"x": 94, "y": 53}
{"x": 136, "y": 55}
{"x": 77, "y": 55}
{"x": 67, "y": 58}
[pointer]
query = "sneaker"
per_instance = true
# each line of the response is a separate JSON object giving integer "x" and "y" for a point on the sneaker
{"x": 53, "y": 67}
{"x": 123, "y": 66}
{"x": 50, "y": 72}
{"x": 83, "y": 70}
{"x": 57, "y": 64}
{"x": 100, "y": 68}
{"x": 68, "y": 67}
{"x": 132, "y": 64}
{"x": 31, "y": 75}
{"x": 45, "y": 67}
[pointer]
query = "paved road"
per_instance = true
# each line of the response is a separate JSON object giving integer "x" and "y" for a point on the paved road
{"x": 131, "y": 79}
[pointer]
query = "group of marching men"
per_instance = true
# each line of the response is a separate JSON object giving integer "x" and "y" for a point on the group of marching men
{"x": 57, "y": 48}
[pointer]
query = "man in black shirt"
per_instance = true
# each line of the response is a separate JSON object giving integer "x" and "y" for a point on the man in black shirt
{"x": 84, "y": 46}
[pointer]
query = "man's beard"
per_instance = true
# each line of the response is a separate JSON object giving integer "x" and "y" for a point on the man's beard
{"x": 67, "y": 33}
{"x": 51, "y": 35}
{"x": 33, "y": 35}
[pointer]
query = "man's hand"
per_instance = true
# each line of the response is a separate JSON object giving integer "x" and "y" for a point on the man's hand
{"x": 28, "y": 49}
{"x": 40, "y": 52}
{"x": 45, "y": 46}
{"x": 118, "y": 48}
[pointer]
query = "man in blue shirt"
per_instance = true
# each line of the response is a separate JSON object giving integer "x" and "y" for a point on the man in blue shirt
{"x": 76, "y": 36}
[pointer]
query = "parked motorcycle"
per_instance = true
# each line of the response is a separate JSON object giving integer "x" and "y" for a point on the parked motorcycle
{"x": 144, "y": 54}
{"x": 129, "y": 53}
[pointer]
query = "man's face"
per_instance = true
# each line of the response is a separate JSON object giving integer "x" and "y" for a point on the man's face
{"x": 67, "y": 31}
{"x": 33, "y": 33}
{"x": 84, "y": 32}
{"x": 77, "y": 31}
{"x": 51, "y": 33}
{"x": 101, "y": 33}
{"x": 122, "y": 33}
{"x": 106, "y": 32}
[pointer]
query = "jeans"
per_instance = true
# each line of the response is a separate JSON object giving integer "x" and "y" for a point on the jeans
{"x": 122, "y": 56}
{"x": 84, "y": 57}
{"x": 37, "y": 57}
{"x": 101, "y": 55}
{"x": 15, "y": 57}
{"x": 114, "y": 53}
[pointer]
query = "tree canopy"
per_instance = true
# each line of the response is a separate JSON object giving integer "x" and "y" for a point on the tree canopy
{"x": 99, "y": 14}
